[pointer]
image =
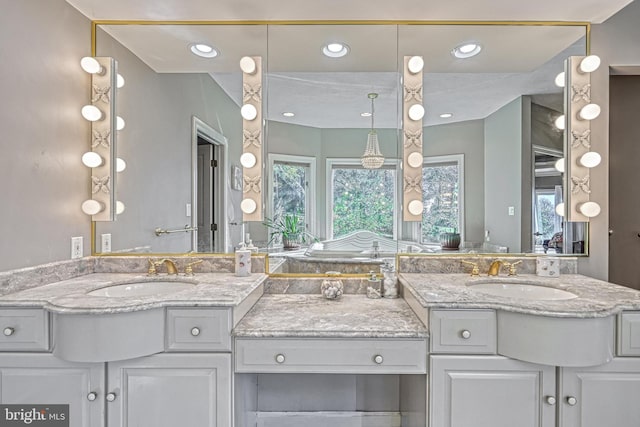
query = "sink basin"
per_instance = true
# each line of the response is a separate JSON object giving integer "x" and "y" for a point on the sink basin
{"x": 140, "y": 289}
{"x": 522, "y": 291}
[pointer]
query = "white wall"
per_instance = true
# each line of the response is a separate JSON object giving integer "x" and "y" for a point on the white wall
{"x": 42, "y": 134}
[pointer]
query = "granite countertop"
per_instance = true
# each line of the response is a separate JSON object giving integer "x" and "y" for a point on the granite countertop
{"x": 595, "y": 298}
{"x": 351, "y": 316}
{"x": 70, "y": 296}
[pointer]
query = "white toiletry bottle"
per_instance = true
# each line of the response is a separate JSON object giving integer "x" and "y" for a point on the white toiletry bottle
{"x": 243, "y": 261}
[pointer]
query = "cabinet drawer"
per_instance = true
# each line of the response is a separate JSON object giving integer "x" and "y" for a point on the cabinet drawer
{"x": 24, "y": 329}
{"x": 629, "y": 334}
{"x": 315, "y": 355}
{"x": 463, "y": 331}
{"x": 198, "y": 329}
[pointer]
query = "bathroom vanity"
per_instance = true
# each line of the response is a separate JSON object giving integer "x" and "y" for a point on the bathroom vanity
{"x": 219, "y": 350}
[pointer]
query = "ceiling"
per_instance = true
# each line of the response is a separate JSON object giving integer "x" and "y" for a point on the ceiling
{"x": 332, "y": 93}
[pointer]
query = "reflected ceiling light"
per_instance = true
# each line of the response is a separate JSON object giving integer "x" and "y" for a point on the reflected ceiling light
{"x": 590, "y": 159}
{"x": 335, "y": 50}
{"x": 119, "y": 207}
{"x": 372, "y": 158}
{"x": 466, "y": 50}
{"x": 589, "y": 112}
{"x": 92, "y": 207}
{"x": 446, "y": 115}
{"x": 288, "y": 114}
{"x": 121, "y": 165}
{"x": 559, "y": 122}
{"x": 248, "y": 65}
{"x": 415, "y": 64}
{"x": 91, "y": 113}
{"x": 248, "y": 112}
{"x": 92, "y": 160}
{"x": 415, "y": 159}
{"x": 365, "y": 114}
{"x": 589, "y": 209}
{"x": 119, "y": 81}
{"x": 203, "y": 50}
{"x": 415, "y": 207}
{"x": 91, "y": 65}
{"x": 559, "y": 81}
{"x": 589, "y": 64}
{"x": 120, "y": 123}
{"x": 416, "y": 112}
{"x": 248, "y": 160}
{"x": 559, "y": 165}
{"x": 248, "y": 206}
{"x": 560, "y": 209}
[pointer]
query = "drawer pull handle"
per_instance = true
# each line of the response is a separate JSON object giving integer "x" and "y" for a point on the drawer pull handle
{"x": 111, "y": 397}
{"x": 572, "y": 401}
{"x": 8, "y": 331}
{"x": 378, "y": 359}
{"x": 92, "y": 396}
{"x": 195, "y": 331}
{"x": 551, "y": 400}
{"x": 280, "y": 358}
{"x": 465, "y": 334}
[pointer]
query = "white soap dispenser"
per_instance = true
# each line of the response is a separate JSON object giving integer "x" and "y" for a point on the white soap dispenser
{"x": 243, "y": 261}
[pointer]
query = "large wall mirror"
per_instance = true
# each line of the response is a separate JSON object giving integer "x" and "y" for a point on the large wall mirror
{"x": 489, "y": 143}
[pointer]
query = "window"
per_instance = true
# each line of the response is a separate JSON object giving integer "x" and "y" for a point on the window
{"x": 292, "y": 188}
{"x": 361, "y": 199}
{"x": 442, "y": 195}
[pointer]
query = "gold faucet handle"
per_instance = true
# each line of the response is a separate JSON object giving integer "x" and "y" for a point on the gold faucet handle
{"x": 152, "y": 268}
{"x": 188, "y": 270}
{"x": 475, "y": 271}
{"x": 512, "y": 267}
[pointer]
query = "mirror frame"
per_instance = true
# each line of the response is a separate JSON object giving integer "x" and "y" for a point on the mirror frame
{"x": 96, "y": 23}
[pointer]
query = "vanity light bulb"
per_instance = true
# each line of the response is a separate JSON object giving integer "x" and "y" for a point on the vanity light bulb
{"x": 414, "y": 159}
{"x": 248, "y": 160}
{"x": 590, "y": 63}
{"x": 92, "y": 159}
{"x": 590, "y": 159}
{"x": 91, "y": 113}
{"x": 559, "y": 165}
{"x": 415, "y": 207}
{"x": 589, "y": 209}
{"x": 248, "y": 112}
{"x": 119, "y": 207}
{"x": 416, "y": 112}
{"x": 560, "y": 209}
{"x": 560, "y": 122}
{"x": 415, "y": 64}
{"x": 120, "y": 123}
{"x": 119, "y": 81}
{"x": 248, "y": 65}
{"x": 92, "y": 207}
{"x": 589, "y": 112}
{"x": 121, "y": 165}
{"x": 91, "y": 65}
{"x": 248, "y": 206}
{"x": 559, "y": 81}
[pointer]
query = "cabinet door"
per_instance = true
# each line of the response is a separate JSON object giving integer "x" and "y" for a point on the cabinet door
{"x": 169, "y": 390}
{"x": 43, "y": 379}
{"x": 490, "y": 391}
{"x": 605, "y": 395}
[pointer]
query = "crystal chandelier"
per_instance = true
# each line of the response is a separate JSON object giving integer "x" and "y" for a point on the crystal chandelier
{"x": 372, "y": 157}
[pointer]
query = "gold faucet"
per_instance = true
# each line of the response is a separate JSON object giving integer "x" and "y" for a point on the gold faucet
{"x": 475, "y": 271}
{"x": 494, "y": 268}
{"x": 188, "y": 270}
{"x": 171, "y": 266}
{"x": 512, "y": 267}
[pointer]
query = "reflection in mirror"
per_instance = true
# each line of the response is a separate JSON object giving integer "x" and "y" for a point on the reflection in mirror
{"x": 485, "y": 118}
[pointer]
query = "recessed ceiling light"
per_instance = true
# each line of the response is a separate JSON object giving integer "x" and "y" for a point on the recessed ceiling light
{"x": 203, "y": 50}
{"x": 466, "y": 50}
{"x": 335, "y": 50}
{"x": 446, "y": 115}
{"x": 365, "y": 114}
{"x": 288, "y": 114}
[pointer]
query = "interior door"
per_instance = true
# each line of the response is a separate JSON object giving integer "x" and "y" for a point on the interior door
{"x": 205, "y": 199}
{"x": 624, "y": 175}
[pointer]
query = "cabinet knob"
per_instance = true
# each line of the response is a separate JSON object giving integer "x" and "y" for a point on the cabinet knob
{"x": 465, "y": 334}
{"x": 195, "y": 331}
{"x": 378, "y": 359}
{"x": 92, "y": 396}
{"x": 111, "y": 397}
{"x": 280, "y": 358}
{"x": 551, "y": 400}
{"x": 572, "y": 400}
{"x": 8, "y": 331}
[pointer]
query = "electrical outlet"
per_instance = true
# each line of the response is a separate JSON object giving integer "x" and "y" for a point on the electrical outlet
{"x": 106, "y": 242}
{"x": 512, "y": 210}
{"x": 76, "y": 247}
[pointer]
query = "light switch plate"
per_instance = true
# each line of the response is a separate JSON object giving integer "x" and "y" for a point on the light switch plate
{"x": 105, "y": 239}
{"x": 512, "y": 210}
{"x": 76, "y": 247}
{"x": 188, "y": 209}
